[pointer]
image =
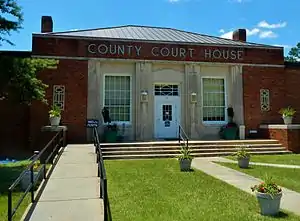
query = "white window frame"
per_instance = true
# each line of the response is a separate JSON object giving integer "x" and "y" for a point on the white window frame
{"x": 54, "y": 97}
{"x": 130, "y": 85}
{"x": 225, "y": 94}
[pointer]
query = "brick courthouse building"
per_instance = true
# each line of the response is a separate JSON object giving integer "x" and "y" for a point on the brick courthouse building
{"x": 147, "y": 75}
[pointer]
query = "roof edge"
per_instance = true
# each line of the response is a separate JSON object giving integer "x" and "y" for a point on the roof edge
{"x": 145, "y": 26}
{"x": 44, "y": 35}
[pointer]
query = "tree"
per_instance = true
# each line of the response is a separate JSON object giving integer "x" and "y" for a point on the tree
{"x": 294, "y": 54}
{"x": 11, "y": 19}
{"x": 18, "y": 79}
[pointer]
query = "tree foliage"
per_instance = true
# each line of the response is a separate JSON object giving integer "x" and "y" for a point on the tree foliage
{"x": 18, "y": 79}
{"x": 11, "y": 19}
{"x": 294, "y": 54}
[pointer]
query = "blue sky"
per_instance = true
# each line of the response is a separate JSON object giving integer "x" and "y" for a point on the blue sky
{"x": 271, "y": 22}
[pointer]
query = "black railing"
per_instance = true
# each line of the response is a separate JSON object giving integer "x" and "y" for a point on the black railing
{"x": 102, "y": 175}
{"x": 45, "y": 156}
{"x": 182, "y": 137}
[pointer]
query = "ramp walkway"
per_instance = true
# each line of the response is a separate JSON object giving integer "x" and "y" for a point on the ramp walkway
{"x": 72, "y": 191}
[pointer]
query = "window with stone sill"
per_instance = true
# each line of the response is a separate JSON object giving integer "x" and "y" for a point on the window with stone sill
{"x": 264, "y": 100}
{"x": 214, "y": 103}
{"x": 59, "y": 96}
{"x": 117, "y": 97}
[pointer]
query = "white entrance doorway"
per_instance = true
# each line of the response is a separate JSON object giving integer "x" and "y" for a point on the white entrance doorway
{"x": 166, "y": 110}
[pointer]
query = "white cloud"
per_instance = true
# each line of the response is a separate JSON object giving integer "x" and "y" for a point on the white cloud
{"x": 265, "y": 24}
{"x": 172, "y": 1}
{"x": 222, "y": 30}
{"x": 227, "y": 35}
{"x": 268, "y": 34}
{"x": 239, "y": 1}
{"x": 254, "y": 31}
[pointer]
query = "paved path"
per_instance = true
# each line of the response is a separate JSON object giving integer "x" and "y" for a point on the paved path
{"x": 222, "y": 159}
{"x": 72, "y": 192}
{"x": 290, "y": 199}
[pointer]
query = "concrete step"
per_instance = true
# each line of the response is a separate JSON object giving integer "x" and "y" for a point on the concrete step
{"x": 191, "y": 142}
{"x": 214, "y": 154}
{"x": 177, "y": 151}
{"x": 177, "y": 147}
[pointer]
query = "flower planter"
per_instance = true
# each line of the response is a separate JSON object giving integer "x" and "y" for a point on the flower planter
{"x": 230, "y": 133}
{"x": 111, "y": 136}
{"x": 26, "y": 179}
{"x": 243, "y": 162}
{"x": 269, "y": 205}
{"x": 287, "y": 120}
{"x": 54, "y": 121}
{"x": 185, "y": 164}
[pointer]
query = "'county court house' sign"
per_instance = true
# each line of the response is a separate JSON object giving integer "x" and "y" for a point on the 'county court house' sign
{"x": 168, "y": 51}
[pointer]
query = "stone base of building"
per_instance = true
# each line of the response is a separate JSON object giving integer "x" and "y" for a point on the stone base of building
{"x": 287, "y": 135}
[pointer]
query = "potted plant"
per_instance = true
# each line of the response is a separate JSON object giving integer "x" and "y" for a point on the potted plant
{"x": 54, "y": 115}
{"x": 185, "y": 159}
{"x": 111, "y": 133}
{"x": 269, "y": 196}
{"x": 287, "y": 114}
{"x": 243, "y": 157}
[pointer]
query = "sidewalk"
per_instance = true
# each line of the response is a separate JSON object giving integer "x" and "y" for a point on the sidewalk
{"x": 225, "y": 160}
{"x": 72, "y": 192}
{"x": 290, "y": 199}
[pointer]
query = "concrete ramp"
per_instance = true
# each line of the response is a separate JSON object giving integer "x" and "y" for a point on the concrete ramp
{"x": 72, "y": 191}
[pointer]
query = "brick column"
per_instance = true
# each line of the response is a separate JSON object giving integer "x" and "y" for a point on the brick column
{"x": 287, "y": 135}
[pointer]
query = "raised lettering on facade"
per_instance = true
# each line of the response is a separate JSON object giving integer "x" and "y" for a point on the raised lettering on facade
{"x": 164, "y": 52}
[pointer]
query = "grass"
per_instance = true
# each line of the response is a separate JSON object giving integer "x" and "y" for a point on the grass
{"x": 293, "y": 159}
{"x": 285, "y": 177}
{"x": 8, "y": 173}
{"x": 156, "y": 190}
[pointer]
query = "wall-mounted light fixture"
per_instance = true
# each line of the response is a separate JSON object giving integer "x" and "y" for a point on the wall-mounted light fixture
{"x": 193, "y": 98}
{"x": 143, "y": 64}
{"x": 144, "y": 96}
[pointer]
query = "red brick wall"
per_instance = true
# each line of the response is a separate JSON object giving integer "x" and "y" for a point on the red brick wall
{"x": 293, "y": 90}
{"x": 14, "y": 129}
{"x": 74, "y": 75}
{"x": 289, "y": 138}
{"x": 254, "y": 79}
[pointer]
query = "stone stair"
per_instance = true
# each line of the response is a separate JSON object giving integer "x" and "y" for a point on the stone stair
{"x": 169, "y": 149}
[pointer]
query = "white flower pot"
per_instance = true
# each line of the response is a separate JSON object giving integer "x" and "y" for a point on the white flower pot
{"x": 269, "y": 205}
{"x": 54, "y": 121}
{"x": 185, "y": 164}
{"x": 287, "y": 120}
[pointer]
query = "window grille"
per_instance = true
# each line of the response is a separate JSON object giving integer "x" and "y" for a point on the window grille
{"x": 59, "y": 96}
{"x": 264, "y": 99}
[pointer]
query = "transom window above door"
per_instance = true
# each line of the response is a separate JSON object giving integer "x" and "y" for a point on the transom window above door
{"x": 166, "y": 90}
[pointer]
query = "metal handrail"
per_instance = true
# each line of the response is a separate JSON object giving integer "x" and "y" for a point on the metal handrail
{"x": 55, "y": 143}
{"x": 182, "y": 136}
{"x": 102, "y": 175}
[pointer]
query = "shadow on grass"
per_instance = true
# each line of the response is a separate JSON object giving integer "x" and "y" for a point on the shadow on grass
{"x": 280, "y": 215}
{"x": 188, "y": 171}
{"x": 8, "y": 174}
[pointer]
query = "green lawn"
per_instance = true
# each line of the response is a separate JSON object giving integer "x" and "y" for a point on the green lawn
{"x": 293, "y": 159}
{"x": 285, "y": 177}
{"x": 154, "y": 190}
{"x": 8, "y": 174}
